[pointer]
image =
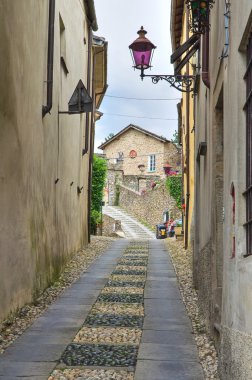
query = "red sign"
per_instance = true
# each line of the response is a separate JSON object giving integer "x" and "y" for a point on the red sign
{"x": 132, "y": 154}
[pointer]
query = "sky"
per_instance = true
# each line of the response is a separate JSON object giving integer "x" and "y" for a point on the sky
{"x": 118, "y": 22}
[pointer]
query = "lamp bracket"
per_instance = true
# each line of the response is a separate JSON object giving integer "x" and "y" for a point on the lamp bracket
{"x": 201, "y": 23}
{"x": 182, "y": 83}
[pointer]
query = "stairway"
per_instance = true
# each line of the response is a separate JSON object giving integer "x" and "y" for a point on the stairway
{"x": 130, "y": 226}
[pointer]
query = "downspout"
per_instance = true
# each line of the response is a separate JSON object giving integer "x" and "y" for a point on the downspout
{"x": 87, "y": 141}
{"x": 187, "y": 144}
{"x": 46, "y": 109}
{"x": 90, "y": 40}
{"x": 205, "y": 59}
{"x": 91, "y": 14}
{"x": 91, "y": 151}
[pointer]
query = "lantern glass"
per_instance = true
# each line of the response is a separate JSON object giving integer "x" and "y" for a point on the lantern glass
{"x": 142, "y": 59}
{"x": 142, "y": 51}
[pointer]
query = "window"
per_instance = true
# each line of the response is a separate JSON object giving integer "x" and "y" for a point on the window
{"x": 120, "y": 156}
{"x": 152, "y": 163}
{"x": 248, "y": 109}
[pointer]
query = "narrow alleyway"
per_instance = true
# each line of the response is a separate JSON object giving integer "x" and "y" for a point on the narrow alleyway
{"x": 123, "y": 319}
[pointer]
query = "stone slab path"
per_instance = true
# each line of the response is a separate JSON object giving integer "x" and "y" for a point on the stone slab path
{"x": 123, "y": 319}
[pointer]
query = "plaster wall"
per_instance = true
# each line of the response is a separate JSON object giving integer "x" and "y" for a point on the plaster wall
{"x": 41, "y": 222}
{"x": 228, "y": 279}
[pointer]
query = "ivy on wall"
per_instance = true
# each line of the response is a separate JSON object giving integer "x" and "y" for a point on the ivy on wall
{"x": 174, "y": 186}
{"x": 98, "y": 183}
{"x": 117, "y": 195}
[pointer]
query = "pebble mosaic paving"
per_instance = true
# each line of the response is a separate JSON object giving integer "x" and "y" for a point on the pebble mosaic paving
{"x": 129, "y": 272}
{"x": 114, "y": 320}
{"x": 108, "y": 335}
{"x": 99, "y": 355}
{"x": 125, "y": 298}
{"x": 111, "y": 333}
{"x": 133, "y": 263}
{"x": 127, "y": 284}
{"x": 122, "y": 290}
{"x": 90, "y": 374}
{"x": 117, "y": 308}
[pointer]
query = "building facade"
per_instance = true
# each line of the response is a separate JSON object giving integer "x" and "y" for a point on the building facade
{"x": 140, "y": 157}
{"x": 47, "y": 62}
{"x": 180, "y": 34}
{"x": 222, "y": 211}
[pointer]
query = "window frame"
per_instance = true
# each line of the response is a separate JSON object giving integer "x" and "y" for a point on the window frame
{"x": 152, "y": 163}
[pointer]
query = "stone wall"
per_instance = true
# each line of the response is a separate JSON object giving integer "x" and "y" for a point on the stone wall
{"x": 144, "y": 145}
{"x": 139, "y": 183}
{"x": 110, "y": 226}
{"x": 148, "y": 207}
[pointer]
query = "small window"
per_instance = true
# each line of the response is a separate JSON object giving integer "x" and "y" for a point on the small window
{"x": 120, "y": 156}
{"x": 152, "y": 163}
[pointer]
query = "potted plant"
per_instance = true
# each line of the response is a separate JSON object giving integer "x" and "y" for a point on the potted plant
{"x": 178, "y": 227}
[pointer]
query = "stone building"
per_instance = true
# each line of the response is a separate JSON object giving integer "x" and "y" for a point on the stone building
{"x": 139, "y": 158}
{"x": 48, "y": 62}
{"x": 222, "y": 211}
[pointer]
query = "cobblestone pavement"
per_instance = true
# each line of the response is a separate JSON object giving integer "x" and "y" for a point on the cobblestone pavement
{"x": 123, "y": 320}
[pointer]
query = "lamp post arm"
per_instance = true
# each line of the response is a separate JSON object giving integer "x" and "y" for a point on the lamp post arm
{"x": 183, "y": 83}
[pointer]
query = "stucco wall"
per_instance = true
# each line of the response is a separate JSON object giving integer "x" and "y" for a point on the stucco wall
{"x": 148, "y": 207}
{"x": 229, "y": 279}
{"x": 41, "y": 222}
{"x": 236, "y": 354}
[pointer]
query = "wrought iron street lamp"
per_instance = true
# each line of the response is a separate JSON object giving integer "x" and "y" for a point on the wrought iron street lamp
{"x": 199, "y": 15}
{"x": 142, "y": 51}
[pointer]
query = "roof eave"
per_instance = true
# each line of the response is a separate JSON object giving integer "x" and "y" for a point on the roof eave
{"x": 177, "y": 7}
{"x": 101, "y": 49}
{"x": 161, "y": 139}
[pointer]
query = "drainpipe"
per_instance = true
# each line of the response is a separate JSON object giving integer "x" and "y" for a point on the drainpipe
{"x": 91, "y": 14}
{"x": 91, "y": 153}
{"x": 90, "y": 141}
{"x": 90, "y": 40}
{"x": 187, "y": 145}
{"x": 205, "y": 59}
{"x": 46, "y": 109}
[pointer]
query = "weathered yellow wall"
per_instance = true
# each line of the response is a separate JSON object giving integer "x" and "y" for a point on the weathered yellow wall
{"x": 41, "y": 222}
{"x": 188, "y": 156}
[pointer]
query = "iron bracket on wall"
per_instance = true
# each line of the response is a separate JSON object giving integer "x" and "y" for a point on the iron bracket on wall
{"x": 182, "y": 83}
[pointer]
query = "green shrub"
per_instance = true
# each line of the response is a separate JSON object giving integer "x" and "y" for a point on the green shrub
{"x": 174, "y": 186}
{"x": 98, "y": 183}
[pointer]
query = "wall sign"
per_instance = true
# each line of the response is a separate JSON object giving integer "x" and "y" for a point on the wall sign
{"x": 133, "y": 154}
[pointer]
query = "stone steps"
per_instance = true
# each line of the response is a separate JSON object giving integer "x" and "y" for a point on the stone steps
{"x": 130, "y": 226}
